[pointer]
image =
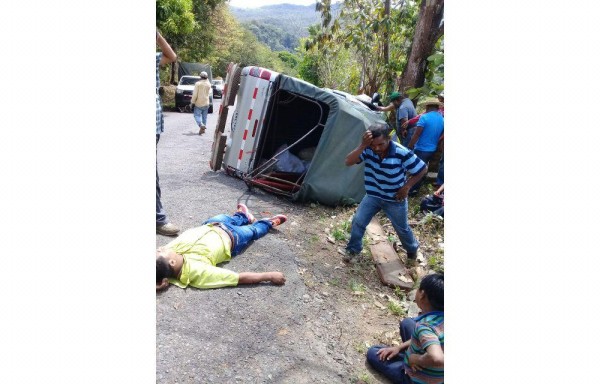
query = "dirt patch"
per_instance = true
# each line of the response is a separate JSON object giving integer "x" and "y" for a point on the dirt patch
{"x": 350, "y": 309}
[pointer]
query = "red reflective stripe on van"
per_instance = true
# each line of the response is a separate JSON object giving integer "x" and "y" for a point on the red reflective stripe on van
{"x": 265, "y": 75}
{"x": 250, "y": 114}
{"x": 255, "y": 92}
{"x": 241, "y": 153}
{"x": 245, "y": 134}
{"x": 254, "y": 130}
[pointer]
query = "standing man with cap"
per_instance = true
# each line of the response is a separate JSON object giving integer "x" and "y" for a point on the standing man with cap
{"x": 166, "y": 56}
{"x": 405, "y": 110}
{"x": 429, "y": 129}
{"x": 200, "y": 101}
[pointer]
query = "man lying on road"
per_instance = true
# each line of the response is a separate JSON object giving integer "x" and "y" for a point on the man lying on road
{"x": 192, "y": 257}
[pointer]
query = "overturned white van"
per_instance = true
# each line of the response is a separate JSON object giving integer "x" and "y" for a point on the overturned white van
{"x": 290, "y": 137}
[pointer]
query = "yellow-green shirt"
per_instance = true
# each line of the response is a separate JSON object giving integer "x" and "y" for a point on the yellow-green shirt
{"x": 202, "y": 249}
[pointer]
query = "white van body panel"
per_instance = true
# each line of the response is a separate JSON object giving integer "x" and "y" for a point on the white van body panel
{"x": 256, "y": 88}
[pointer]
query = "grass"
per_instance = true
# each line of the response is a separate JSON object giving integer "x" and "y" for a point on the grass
{"x": 436, "y": 261}
{"x": 357, "y": 287}
{"x": 396, "y": 309}
{"x": 335, "y": 282}
{"x": 339, "y": 234}
{"x": 313, "y": 239}
{"x": 361, "y": 347}
{"x": 364, "y": 377}
{"x": 400, "y": 293}
{"x": 346, "y": 225}
{"x": 342, "y": 230}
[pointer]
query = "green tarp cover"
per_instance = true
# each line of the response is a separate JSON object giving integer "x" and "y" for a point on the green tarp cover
{"x": 329, "y": 180}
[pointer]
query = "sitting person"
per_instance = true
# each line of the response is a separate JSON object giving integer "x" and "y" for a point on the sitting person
{"x": 192, "y": 257}
{"x": 434, "y": 203}
{"x": 420, "y": 358}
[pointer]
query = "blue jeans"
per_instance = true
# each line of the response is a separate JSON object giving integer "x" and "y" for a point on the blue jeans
{"x": 242, "y": 231}
{"x": 200, "y": 114}
{"x": 393, "y": 369}
{"x": 396, "y": 211}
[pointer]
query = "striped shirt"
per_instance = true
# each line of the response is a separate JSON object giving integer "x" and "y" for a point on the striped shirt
{"x": 384, "y": 177}
{"x": 159, "y": 114}
{"x": 428, "y": 331}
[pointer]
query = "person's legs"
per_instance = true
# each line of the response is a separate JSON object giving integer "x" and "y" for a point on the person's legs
{"x": 397, "y": 212}
{"x": 198, "y": 115}
{"x": 244, "y": 235}
{"x": 161, "y": 215}
{"x": 407, "y": 327}
{"x": 367, "y": 208}
{"x": 393, "y": 369}
{"x": 204, "y": 115}
{"x": 242, "y": 231}
{"x": 425, "y": 157}
{"x": 237, "y": 219}
{"x": 440, "y": 176}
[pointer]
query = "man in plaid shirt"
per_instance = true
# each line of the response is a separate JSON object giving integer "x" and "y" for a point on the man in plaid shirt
{"x": 166, "y": 56}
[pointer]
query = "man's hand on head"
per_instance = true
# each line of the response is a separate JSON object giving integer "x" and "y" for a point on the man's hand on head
{"x": 367, "y": 139}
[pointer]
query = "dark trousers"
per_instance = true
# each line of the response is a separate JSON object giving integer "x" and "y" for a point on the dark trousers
{"x": 393, "y": 369}
{"x": 425, "y": 157}
{"x": 161, "y": 216}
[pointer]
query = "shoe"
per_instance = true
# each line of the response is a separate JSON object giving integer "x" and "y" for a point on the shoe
{"x": 202, "y": 129}
{"x": 167, "y": 229}
{"x": 349, "y": 256}
{"x": 278, "y": 220}
{"x": 241, "y": 207}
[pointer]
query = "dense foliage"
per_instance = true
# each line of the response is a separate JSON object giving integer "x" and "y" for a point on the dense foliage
{"x": 359, "y": 46}
{"x": 205, "y": 31}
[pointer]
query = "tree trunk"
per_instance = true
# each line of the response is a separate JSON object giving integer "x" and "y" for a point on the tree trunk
{"x": 428, "y": 30}
{"x": 386, "y": 49}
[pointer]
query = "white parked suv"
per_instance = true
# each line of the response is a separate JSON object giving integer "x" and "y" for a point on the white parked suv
{"x": 184, "y": 91}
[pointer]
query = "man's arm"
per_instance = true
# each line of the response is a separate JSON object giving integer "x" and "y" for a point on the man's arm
{"x": 414, "y": 120}
{"x": 415, "y": 137}
{"x": 194, "y": 95}
{"x": 402, "y": 123}
{"x": 354, "y": 156}
{"x": 390, "y": 352}
{"x": 388, "y": 108}
{"x": 433, "y": 357}
{"x": 163, "y": 284}
{"x": 168, "y": 54}
{"x": 276, "y": 278}
{"x": 403, "y": 192}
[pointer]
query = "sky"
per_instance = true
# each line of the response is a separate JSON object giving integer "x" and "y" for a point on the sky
{"x": 260, "y": 3}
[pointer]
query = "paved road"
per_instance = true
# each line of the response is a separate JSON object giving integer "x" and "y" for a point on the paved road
{"x": 255, "y": 334}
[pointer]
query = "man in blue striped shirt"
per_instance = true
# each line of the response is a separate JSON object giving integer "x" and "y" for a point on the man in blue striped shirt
{"x": 387, "y": 186}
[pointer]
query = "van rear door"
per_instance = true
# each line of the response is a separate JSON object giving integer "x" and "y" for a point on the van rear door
{"x": 256, "y": 87}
